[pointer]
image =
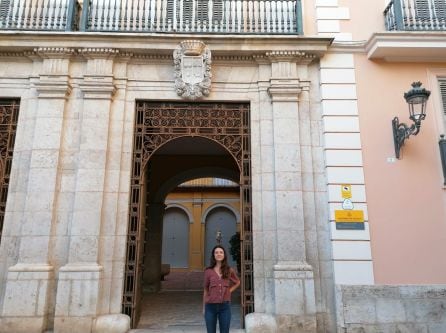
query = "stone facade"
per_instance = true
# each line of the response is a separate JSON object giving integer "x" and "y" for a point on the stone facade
{"x": 320, "y": 110}
{"x": 409, "y": 308}
{"x": 77, "y": 108}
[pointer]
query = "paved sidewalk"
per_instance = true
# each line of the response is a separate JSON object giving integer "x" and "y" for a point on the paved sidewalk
{"x": 178, "y": 307}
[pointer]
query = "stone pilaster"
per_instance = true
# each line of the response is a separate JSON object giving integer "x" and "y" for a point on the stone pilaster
{"x": 30, "y": 282}
{"x": 293, "y": 277}
{"x": 80, "y": 279}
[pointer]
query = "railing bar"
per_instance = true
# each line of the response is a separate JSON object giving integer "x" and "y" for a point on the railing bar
{"x": 25, "y": 21}
{"x": 46, "y": 14}
{"x": 64, "y": 16}
{"x": 30, "y": 18}
{"x": 242, "y": 16}
{"x": 125, "y": 16}
{"x": 36, "y": 18}
{"x": 107, "y": 17}
{"x": 53, "y": 15}
{"x": 413, "y": 19}
{"x": 248, "y": 17}
{"x": 113, "y": 23}
{"x": 16, "y": 21}
{"x": 270, "y": 16}
{"x": 138, "y": 17}
{"x": 56, "y": 15}
{"x": 101, "y": 15}
{"x": 143, "y": 18}
{"x": 433, "y": 15}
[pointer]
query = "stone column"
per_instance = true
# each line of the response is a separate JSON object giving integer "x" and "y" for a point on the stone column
{"x": 78, "y": 289}
{"x": 30, "y": 282}
{"x": 154, "y": 246}
{"x": 293, "y": 277}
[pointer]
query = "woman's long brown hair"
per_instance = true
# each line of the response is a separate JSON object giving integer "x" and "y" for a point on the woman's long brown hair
{"x": 224, "y": 264}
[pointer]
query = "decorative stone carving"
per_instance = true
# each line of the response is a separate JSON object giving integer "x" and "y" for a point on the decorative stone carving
{"x": 192, "y": 63}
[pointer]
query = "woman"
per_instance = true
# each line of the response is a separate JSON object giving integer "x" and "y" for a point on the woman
{"x": 220, "y": 281}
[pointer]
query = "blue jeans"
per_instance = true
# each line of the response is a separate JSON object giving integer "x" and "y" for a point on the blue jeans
{"x": 220, "y": 311}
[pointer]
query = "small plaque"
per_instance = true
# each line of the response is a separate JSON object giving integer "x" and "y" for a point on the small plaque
{"x": 349, "y": 219}
{"x": 347, "y": 204}
{"x": 346, "y": 191}
{"x": 350, "y": 226}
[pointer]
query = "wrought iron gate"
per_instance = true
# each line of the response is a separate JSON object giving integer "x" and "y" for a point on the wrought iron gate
{"x": 157, "y": 123}
{"x": 9, "y": 114}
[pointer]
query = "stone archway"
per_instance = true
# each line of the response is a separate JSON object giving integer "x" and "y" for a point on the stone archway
{"x": 156, "y": 124}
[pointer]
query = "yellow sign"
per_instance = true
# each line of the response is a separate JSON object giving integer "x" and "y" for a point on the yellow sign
{"x": 346, "y": 191}
{"x": 349, "y": 215}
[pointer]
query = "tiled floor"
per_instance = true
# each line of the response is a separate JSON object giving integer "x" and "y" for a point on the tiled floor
{"x": 178, "y": 307}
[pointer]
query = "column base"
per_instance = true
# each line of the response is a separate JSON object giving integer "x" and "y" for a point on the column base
{"x": 295, "y": 299}
{"x": 77, "y": 298}
{"x": 25, "y": 307}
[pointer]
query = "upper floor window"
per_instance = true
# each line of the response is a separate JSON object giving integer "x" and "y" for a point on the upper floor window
{"x": 442, "y": 84}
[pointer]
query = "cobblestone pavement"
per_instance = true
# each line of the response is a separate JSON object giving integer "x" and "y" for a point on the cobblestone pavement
{"x": 177, "y": 308}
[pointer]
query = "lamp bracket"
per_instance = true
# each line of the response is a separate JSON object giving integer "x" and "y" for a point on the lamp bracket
{"x": 401, "y": 132}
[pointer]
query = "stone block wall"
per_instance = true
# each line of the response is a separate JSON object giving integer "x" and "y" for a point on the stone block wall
{"x": 391, "y": 309}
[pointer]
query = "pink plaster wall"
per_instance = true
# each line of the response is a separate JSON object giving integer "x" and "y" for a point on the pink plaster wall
{"x": 366, "y": 16}
{"x": 406, "y": 199}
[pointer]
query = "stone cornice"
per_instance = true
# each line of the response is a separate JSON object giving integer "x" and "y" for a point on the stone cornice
{"x": 290, "y": 56}
{"x": 54, "y": 52}
{"x": 98, "y": 53}
{"x": 16, "y": 55}
{"x": 152, "y": 43}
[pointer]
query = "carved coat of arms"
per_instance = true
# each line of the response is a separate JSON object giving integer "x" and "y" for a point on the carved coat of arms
{"x": 192, "y": 61}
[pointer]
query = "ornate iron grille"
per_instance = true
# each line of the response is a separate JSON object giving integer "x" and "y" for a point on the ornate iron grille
{"x": 157, "y": 123}
{"x": 9, "y": 114}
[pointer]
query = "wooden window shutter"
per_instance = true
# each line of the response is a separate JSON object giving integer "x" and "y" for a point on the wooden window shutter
{"x": 442, "y": 84}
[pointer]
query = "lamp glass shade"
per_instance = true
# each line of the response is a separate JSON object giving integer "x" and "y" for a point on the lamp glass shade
{"x": 416, "y": 99}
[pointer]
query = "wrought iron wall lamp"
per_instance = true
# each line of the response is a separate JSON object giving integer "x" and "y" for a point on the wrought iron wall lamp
{"x": 416, "y": 98}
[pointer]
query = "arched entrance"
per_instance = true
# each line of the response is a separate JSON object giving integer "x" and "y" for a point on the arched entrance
{"x": 166, "y": 136}
{"x": 220, "y": 222}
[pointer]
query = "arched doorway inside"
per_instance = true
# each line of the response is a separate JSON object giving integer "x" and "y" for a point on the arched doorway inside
{"x": 175, "y": 243}
{"x": 221, "y": 225}
{"x": 175, "y": 143}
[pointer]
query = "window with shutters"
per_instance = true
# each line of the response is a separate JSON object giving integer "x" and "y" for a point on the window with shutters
{"x": 195, "y": 10}
{"x": 4, "y": 9}
{"x": 442, "y": 84}
{"x": 428, "y": 9}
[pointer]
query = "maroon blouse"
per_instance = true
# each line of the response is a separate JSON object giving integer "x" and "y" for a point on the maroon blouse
{"x": 217, "y": 287}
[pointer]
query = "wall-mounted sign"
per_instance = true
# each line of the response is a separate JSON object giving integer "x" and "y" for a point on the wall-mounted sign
{"x": 346, "y": 191}
{"x": 349, "y": 219}
{"x": 347, "y": 204}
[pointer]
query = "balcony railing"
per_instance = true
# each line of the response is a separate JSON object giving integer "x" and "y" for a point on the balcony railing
{"x": 53, "y": 15}
{"x": 163, "y": 16}
{"x": 420, "y": 15}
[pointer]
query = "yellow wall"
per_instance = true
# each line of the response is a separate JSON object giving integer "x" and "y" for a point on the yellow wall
{"x": 197, "y": 204}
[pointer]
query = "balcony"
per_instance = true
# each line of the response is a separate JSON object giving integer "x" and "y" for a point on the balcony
{"x": 154, "y": 16}
{"x": 416, "y": 15}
